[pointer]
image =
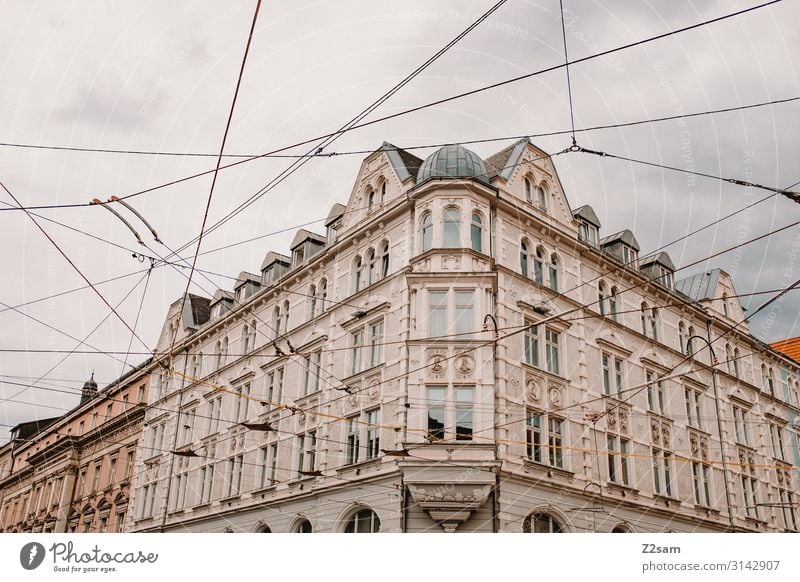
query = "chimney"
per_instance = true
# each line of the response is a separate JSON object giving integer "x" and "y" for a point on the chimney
{"x": 89, "y": 390}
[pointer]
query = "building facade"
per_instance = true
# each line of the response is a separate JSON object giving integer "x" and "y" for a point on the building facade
{"x": 463, "y": 352}
{"x": 72, "y": 473}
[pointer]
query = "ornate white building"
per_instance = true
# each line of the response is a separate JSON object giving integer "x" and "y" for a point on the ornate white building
{"x": 462, "y": 352}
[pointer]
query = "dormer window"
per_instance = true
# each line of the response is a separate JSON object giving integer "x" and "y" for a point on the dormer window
{"x": 665, "y": 277}
{"x": 629, "y": 256}
{"x": 241, "y": 294}
{"x": 588, "y": 233}
{"x": 299, "y": 256}
{"x": 216, "y": 311}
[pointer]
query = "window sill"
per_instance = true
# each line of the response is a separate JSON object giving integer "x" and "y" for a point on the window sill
{"x": 623, "y": 490}
{"x": 666, "y": 500}
{"x": 526, "y": 365}
{"x": 358, "y": 466}
{"x": 706, "y": 510}
{"x": 552, "y": 472}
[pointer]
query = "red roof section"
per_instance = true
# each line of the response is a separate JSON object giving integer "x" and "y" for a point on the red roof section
{"x": 790, "y": 347}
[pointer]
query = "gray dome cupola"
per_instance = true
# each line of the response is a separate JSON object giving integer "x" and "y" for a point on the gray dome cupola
{"x": 453, "y": 161}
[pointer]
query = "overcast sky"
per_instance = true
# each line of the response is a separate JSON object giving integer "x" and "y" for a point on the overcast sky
{"x": 160, "y": 76}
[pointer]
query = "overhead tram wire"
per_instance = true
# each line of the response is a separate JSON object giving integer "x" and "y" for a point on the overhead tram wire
{"x": 364, "y": 151}
{"x": 566, "y": 68}
{"x": 216, "y": 173}
{"x": 326, "y": 140}
{"x": 438, "y": 102}
{"x": 74, "y": 266}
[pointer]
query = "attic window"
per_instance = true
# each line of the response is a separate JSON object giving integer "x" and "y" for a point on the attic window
{"x": 241, "y": 293}
{"x": 665, "y": 276}
{"x": 216, "y": 311}
{"x": 587, "y": 233}
{"x": 629, "y": 256}
{"x": 299, "y": 256}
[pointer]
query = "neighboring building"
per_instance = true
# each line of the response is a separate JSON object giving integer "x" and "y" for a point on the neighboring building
{"x": 72, "y": 473}
{"x": 790, "y": 347}
{"x": 356, "y": 384}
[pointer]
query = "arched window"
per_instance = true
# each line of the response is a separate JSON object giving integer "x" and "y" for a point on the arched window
{"x": 383, "y": 192}
{"x": 245, "y": 339}
{"x": 476, "y": 232}
{"x": 602, "y": 297}
{"x": 303, "y": 527}
{"x": 682, "y": 336}
{"x": 554, "y": 272}
{"x": 371, "y": 198}
{"x": 323, "y": 295}
{"x": 654, "y": 323}
{"x": 285, "y": 316}
{"x": 199, "y": 369}
{"x": 372, "y": 267}
{"x": 312, "y": 302}
{"x": 736, "y": 357}
{"x": 452, "y": 234}
{"x": 224, "y": 352}
{"x": 427, "y": 231}
{"x": 621, "y": 529}
{"x": 384, "y": 253}
{"x": 538, "y": 266}
{"x": 645, "y": 317}
{"x": 276, "y": 321}
{"x": 689, "y": 342}
{"x": 541, "y": 523}
{"x": 364, "y": 521}
{"x": 263, "y": 528}
{"x": 357, "y": 270}
{"x": 612, "y": 303}
{"x": 541, "y": 197}
{"x": 218, "y": 352}
{"x": 523, "y": 258}
{"x": 528, "y": 190}
{"x": 725, "y": 304}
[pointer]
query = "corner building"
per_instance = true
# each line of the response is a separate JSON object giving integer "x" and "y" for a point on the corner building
{"x": 463, "y": 352}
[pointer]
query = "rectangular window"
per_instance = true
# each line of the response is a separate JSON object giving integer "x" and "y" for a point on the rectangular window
{"x": 376, "y": 341}
{"x": 532, "y": 345}
{"x": 234, "y": 475}
{"x": 311, "y": 450}
{"x": 437, "y": 320}
{"x": 656, "y": 395}
{"x": 618, "y": 459}
{"x": 129, "y": 465}
{"x": 273, "y": 463}
{"x": 214, "y": 409}
{"x": 263, "y": 460}
{"x": 750, "y": 495}
{"x": 693, "y": 399}
{"x": 206, "y": 483}
{"x": 740, "y": 424}
{"x": 124, "y": 403}
{"x": 662, "y": 472}
{"x": 552, "y": 350}
{"x": 242, "y": 401}
{"x": 555, "y": 441}
{"x": 465, "y": 316}
{"x": 534, "y": 436}
{"x": 313, "y": 365}
{"x": 112, "y": 470}
{"x": 700, "y": 478}
{"x": 544, "y": 428}
{"x": 464, "y": 405}
{"x": 776, "y": 438}
{"x": 352, "y": 444}
{"x": 373, "y": 434}
{"x": 612, "y": 375}
{"x": 187, "y": 436}
{"x": 275, "y": 387}
{"x": 788, "y": 509}
{"x": 358, "y": 346}
{"x": 436, "y": 406}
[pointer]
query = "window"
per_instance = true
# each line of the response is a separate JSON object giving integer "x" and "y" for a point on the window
{"x": 306, "y": 452}
{"x": 376, "y": 343}
{"x": 285, "y": 316}
{"x": 541, "y": 197}
{"x": 197, "y": 364}
{"x": 245, "y": 342}
{"x": 179, "y": 486}
{"x": 214, "y": 410}
{"x": 427, "y": 232}
{"x": 694, "y": 409}
{"x": 371, "y": 198}
{"x": 312, "y": 302}
{"x": 112, "y": 470}
{"x": 276, "y": 321}
{"x": 662, "y": 471}
{"x": 612, "y": 304}
{"x": 358, "y": 346}
{"x": 538, "y": 266}
{"x": 124, "y": 402}
{"x": 358, "y": 269}
{"x": 372, "y": 267}
{"x": 96, "y": 480}
{"x": 523, "y": 258}
{"x": 787, "y": 498}
{"x": 545, "y": 431}
{"x": 461, "y": 321}
{"x": 602, "y": 297}
{"x": 682, "y": 337}
{"x": 749, "y": 483}
{"x": 541, "y": 523}
{"x": 656, "y": 393}
{"x": 629, "y": 256}
{"x": 313, "y": 372}
{"x": 362, "y": 425}
{"x": 649, "y": 321}
{"x": 222, "y": 355}
{"x": 273, "y": 463}
{"x": 352, "y": 443}
{"x": 701, "y": 480}
{"x": 323, "y": 295}
{"x": 725, "y": 304}
{"x": 365, "y": 521}
{"x": 303, "y": 527}
{"x": 554, "y": 272}
{"x": 612, "y": 374}
{"x": 234, "y": 483}
{"x": 618, "y": 451}
{"x": 242, "y": 397}
{"x": 528, "y": 190}
{"x": 275, "y": 387}
{"x": 384, "y": 258}
{"x": 690, "y": 342}
{"x": 129, "y": 465}
{"x": 587, "y": 233}
{"x": 373, "y": 434}
{"x": 465, "y": 316}
{"x": 383, "y": 192}
{"x": 776, "y": 438}
{"x": 552, "y": 348}
{"x": 452, "y": 231}
{"x": 665, "y": 277}
{"x": 146, "y": 505}
{"x": 264, "y": 475}
{"x": 450, "y": 415}
{"x": 737, "y": 355}
{"x": 187, "y": 434}
{"x": 476, "y": 232}
{"x": 768, "y": 379}
{"x": 206, "y": 483}
{"x": 740, "y": 424}
{"x": 365, "y": 356}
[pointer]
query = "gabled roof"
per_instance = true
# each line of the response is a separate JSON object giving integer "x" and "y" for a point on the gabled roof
{"x": 504, "y": 162}
{"x": 624, "y": 236}
{"x": 245, "y": 277}
{"x": 222, "y": 295}
{"x": 587, "y": 213}
{"x": 303, "y": 235}
{"x": 337, "y": 211}
{"x": 406, "y": 165}
{"x": 700, "y": 286}
{"x": 661, "y": 258}
{"x": 789, "y": 347}
{"x": 27, "y": 429}
{"x": 273, "y": 257}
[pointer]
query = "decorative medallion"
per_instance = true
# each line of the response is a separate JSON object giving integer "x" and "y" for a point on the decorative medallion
{"x": 623, "y": 420}
{"x": 533, "y": 389}
{"x": 666, "y": 433}
{"x": 555, "y": 396}
{"x": 655, "y": 432}
{"x": 465, "y": 365}
{"x": 373, "y": 389}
